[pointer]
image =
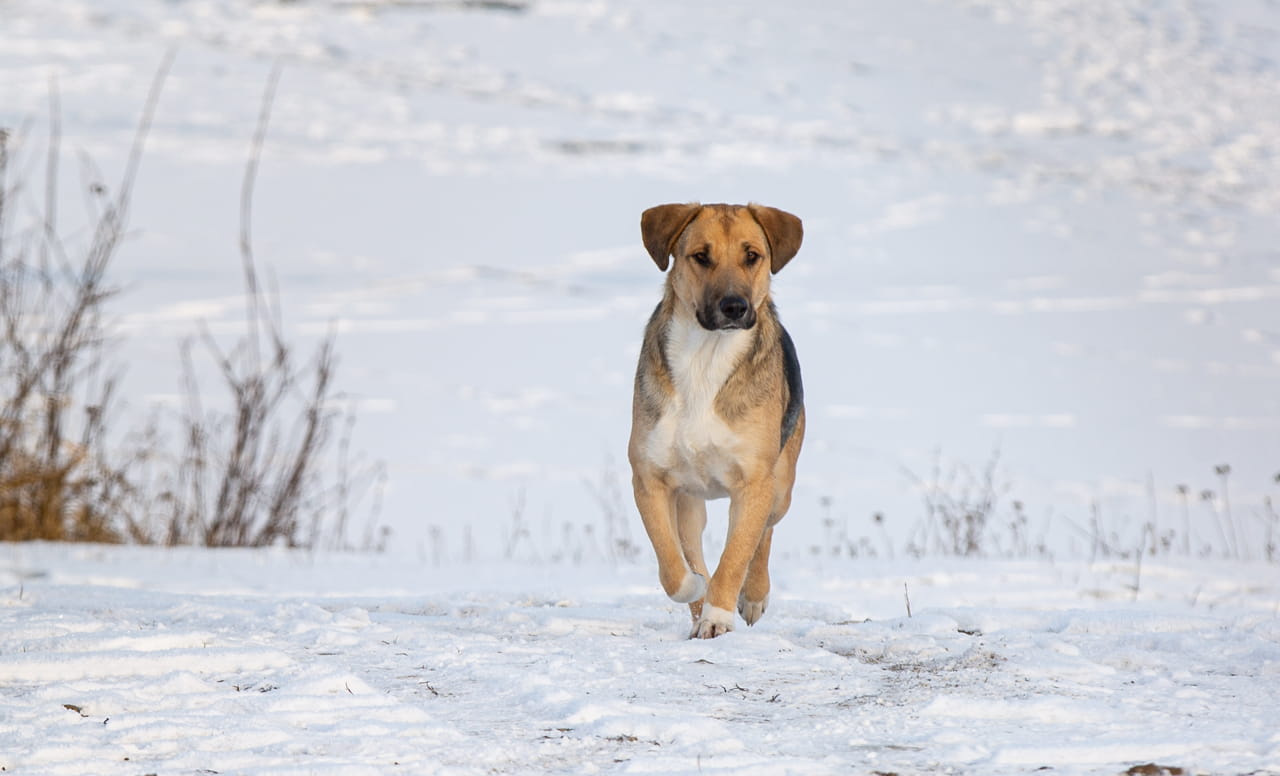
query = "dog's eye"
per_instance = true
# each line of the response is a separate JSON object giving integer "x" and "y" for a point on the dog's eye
{"x": 752, "y": 258}
{"x": 702, "y": 258}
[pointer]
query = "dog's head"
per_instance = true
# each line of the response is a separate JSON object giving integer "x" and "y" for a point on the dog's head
{"x": 724, "y": 255}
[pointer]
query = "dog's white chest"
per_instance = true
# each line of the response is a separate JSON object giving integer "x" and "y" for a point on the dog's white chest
{"x": 690, "y": 441}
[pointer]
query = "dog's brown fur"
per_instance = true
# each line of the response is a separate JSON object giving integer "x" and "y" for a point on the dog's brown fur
{"x": 717, "y": 409}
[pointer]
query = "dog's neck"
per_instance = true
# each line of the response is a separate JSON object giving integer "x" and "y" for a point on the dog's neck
{"x": 701, "y": 360}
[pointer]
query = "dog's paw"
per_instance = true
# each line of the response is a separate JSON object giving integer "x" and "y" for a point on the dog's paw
{"x": 693, "y": 588}
{"x": 714, "y": 622}
{"x": 752, "y": 611}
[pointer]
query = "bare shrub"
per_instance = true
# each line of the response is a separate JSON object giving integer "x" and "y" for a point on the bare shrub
{"x": 247, "y": 475}
{"x": 960, "y": 508}
{"x": 58, "y": 481}
{"x": 250, "y": 475}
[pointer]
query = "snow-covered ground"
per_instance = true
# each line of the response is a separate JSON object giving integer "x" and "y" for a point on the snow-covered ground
{"x": 141, "y": 660}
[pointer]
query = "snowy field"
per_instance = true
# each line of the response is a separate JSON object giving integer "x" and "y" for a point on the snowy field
{"x": 1043, "y": 226}
{"x": 136, "y": 660}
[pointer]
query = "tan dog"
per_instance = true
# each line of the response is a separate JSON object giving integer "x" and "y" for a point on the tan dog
{"x": 718, "y": 407}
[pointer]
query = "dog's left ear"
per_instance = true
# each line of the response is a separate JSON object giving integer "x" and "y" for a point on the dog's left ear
{"x": 660, "y": 226}
{"x": 783, "y": 231}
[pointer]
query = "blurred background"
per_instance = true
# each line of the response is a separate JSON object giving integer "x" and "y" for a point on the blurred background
{"x": 1037, "y": 297}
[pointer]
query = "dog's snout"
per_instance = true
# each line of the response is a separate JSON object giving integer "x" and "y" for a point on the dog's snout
{"x": 726, "y": 312}
{"x": 733, "y": 307}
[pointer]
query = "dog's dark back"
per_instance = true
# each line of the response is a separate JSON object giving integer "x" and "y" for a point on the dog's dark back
{"x": 795, "y": 387}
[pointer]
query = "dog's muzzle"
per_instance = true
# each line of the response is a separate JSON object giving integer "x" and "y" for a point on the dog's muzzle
{"x": 729, "y": 312}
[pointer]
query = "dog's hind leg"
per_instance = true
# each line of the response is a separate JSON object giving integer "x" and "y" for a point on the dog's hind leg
{"x": 657, "y": 505}
{"x": 754, "y": 598}
{"x": 691, "y": 519}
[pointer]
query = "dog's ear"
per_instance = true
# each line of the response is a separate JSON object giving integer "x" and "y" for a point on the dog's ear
{"x": 661, "y": 225}
{"x": 783, "y": 231}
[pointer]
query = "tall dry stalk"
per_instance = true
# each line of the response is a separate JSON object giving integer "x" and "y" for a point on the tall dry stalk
{"x": 252, "y": 476}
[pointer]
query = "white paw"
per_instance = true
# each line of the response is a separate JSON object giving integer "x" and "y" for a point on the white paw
{"x": 691, "y": 589}
{"x": 714, "y": 622}
{"x": 752, "y": 611}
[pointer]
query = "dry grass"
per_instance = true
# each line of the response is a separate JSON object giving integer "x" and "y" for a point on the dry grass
{"x": 961, "y": 509}
{"x": 57, "y": 481}
{"x": 970, "y": 512}
{"x": 246, "y": 474}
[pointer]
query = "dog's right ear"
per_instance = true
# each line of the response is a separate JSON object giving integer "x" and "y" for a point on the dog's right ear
{"x": 661, "y": 226}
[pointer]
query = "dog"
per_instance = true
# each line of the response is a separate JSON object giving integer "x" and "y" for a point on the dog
{"x": 718, "y": 408}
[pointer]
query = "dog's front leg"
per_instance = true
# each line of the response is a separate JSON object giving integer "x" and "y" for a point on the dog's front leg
{"x": 656, "y": 502}
{"x": 749, "y": 511}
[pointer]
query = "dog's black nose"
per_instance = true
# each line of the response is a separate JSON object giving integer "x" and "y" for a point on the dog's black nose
{"x": 733, "y": 307}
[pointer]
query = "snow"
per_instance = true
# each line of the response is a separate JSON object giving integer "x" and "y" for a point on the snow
{"x": 127, "y": 660}
{"x": 1040, "y": 226}
{"x": 1046, "y": 226}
